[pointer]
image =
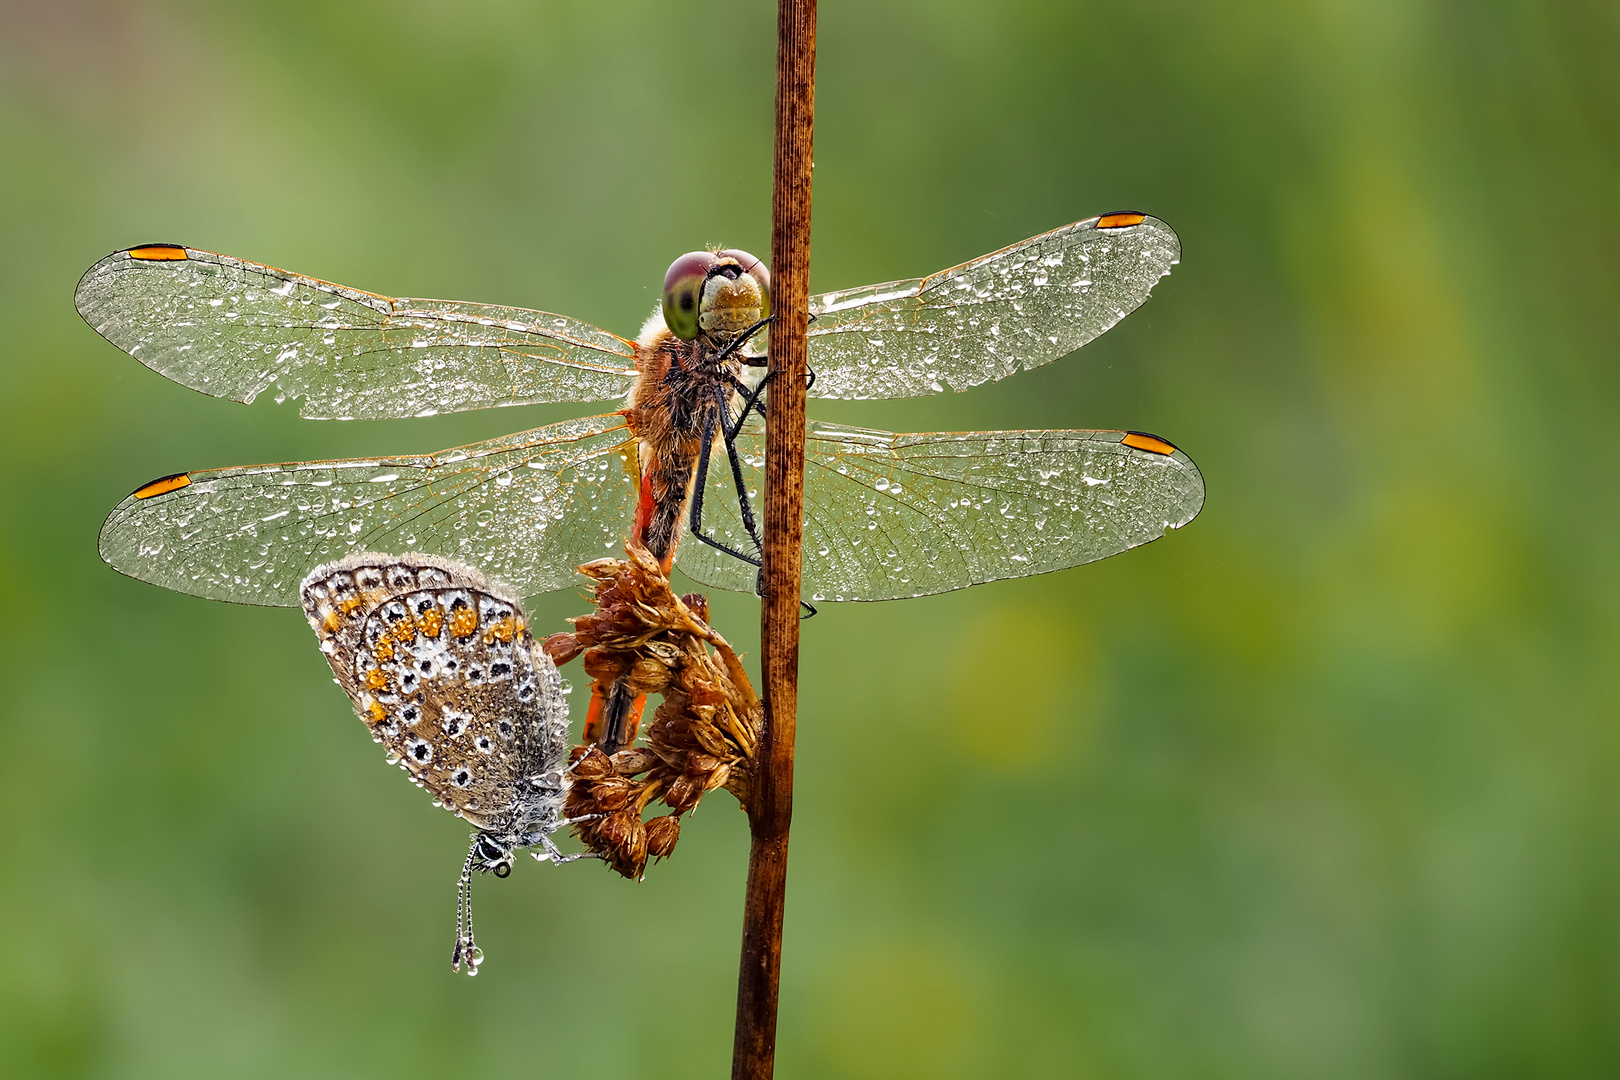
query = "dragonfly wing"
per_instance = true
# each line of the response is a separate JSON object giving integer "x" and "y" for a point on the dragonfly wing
{"x": 889, "y": 516}
{"x": 1007, "y": 312}
{"x": 525, "y": 508}
{"x": 233, "y": 329}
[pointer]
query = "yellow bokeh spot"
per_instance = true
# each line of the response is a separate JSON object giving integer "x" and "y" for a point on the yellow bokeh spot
{"x": 1022, "y": 687}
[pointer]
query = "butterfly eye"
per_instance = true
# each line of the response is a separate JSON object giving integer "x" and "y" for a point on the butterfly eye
{"x": 683, "y": 290}
{"x": 756, "y": 270}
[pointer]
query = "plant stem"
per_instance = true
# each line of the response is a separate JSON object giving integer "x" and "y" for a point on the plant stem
{"x": 771, "y": 807}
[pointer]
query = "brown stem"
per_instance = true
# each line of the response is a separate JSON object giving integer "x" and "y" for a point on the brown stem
{"x": 753, "y": 1055}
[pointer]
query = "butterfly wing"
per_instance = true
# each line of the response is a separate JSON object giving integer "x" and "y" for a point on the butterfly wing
{"x": 440, "y": 665}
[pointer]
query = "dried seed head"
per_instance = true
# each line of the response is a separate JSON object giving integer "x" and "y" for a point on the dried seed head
{"x": 683, "y": 793}
{"x": 662, "y": 832}
{"x": 605, "y": 665}
{"x": 612, "y": 793}
{"x": 718, "y": 777}
{"x": 698, "y": 764}
{"x": 703, "y": 733}
{"x": 592, "y": 764}
{"x": 637, "y": 759}
{"x": 562, "y": 648}
{"x": 706, "y": 693}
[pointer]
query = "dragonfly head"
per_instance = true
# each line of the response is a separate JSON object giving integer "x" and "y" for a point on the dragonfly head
{"x": 718, "y": 294}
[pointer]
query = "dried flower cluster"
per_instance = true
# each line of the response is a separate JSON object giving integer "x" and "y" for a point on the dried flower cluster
{"x": 703, "y": 734}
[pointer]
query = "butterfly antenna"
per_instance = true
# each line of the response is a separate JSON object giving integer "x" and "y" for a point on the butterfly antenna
{"x": 466, "y": 949}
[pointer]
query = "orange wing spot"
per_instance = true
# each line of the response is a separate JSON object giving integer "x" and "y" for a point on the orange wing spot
{"x": 1151, "y": 443}
{"x": 431, "y": 622}
{"x": 504, "y": 630}
{"x": 163, "y": 485}
{"x": 375, "y": 713}
{"x": 1120, "y": 221}
{"x": 463, "y": 622}
{"x": 348, "y": 605}
{"x": 158, "y": 253}
{"x": 383, "y": 650}
{"x": 404, "y": 631}
{"x": 331, "y": 623}
{"x": 376, "y": 680}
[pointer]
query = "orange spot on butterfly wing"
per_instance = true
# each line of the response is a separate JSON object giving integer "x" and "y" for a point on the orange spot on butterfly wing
{"x": 463, "y": 622}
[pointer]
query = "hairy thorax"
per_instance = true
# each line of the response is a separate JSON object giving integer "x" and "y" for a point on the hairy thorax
{"x": 678, "y": 385}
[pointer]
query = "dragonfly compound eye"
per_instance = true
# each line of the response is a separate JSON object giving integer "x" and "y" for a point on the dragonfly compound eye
{"x": 683, "y": 290}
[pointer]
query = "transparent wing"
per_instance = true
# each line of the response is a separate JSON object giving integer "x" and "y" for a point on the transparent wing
{"x": 889, "y": 516}
{"x": 232, "y": 329}
{"x": 1007, "y": 312}
{"x": 525, "y": 508}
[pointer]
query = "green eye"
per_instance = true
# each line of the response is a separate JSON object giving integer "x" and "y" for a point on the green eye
{"x": 758, "y": 271}
{"x": 683, "y": 290}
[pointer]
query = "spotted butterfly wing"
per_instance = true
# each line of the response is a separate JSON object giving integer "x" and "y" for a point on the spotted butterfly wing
{"x": 440, "y": 665}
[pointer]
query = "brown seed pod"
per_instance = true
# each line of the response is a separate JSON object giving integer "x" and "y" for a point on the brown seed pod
{"x": 662, "y": 833}
{"x": 703, "y": 733}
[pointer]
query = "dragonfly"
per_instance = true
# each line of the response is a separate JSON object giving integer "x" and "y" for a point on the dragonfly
{"x": 886, "y": 516}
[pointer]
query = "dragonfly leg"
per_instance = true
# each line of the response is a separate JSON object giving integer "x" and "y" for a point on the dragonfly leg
{"x": 743, "y": 339}
{"x": 753, "y": 395}
{"x": 695, "y": 520}
{"x": 750, "y": 402}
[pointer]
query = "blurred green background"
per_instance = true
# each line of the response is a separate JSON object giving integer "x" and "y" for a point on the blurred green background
{"x": 1324, "y": 785}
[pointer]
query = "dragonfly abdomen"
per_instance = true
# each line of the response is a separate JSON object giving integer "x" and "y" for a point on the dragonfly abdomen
{"x": 668, "y": 411}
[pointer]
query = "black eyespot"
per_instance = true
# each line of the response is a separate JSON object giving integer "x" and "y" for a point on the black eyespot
{"x": 421, "y": 751}
{"x": 497, "y": 670}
